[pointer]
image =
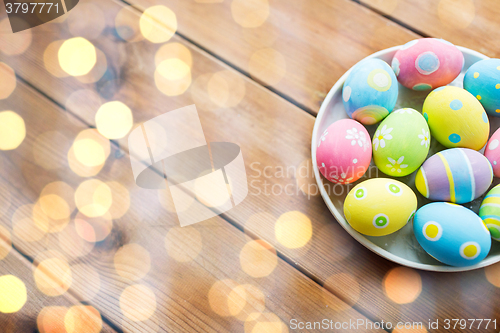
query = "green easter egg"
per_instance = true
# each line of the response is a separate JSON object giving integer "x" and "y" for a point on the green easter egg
{"x": 401, "y": 142}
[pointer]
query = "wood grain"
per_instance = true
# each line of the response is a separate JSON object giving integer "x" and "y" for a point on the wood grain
{"x": 473, "y": 24}
{"x": 182, "y": 288}
{"x": 274, "y": 136}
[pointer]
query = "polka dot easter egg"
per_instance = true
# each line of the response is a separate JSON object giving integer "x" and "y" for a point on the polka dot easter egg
{"x": 370, "y": 91}
{"x": 456, "y": 118}
{"x": 344, "y": 151}
{"x": 401, "y": 143}
{"x": 427, "y": 63}
{"x": 492, "y": 152}
{"x": 452, "y": 234}
{"x": 456, "y": 175}
{"x": 490, "y": 212}
{"x": 379, "y": 206}
{"x": 483, "y": 81}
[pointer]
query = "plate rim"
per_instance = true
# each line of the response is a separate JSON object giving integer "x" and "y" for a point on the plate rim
{"x": 340, "y": 218}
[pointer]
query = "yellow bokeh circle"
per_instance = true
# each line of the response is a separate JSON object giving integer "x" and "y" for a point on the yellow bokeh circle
{"x": 13, "y": 294}
{"x": 12, "y": 130}
{"x": 77, "y": 56}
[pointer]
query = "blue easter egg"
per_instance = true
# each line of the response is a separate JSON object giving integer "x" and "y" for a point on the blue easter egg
{"x": 370, "y": 91}
{"x": 452, "y": 234}
{"x": 483, "y": 81}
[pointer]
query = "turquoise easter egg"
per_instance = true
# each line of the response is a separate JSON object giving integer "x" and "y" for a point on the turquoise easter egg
{"x": 452, "y": 234}
{"x": 370, "y": 91}
{"x": 401, "y": 142}
{"x": 482, "y": 80}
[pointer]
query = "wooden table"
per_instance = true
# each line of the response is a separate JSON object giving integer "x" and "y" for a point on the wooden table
{"x": 257, "y": 71}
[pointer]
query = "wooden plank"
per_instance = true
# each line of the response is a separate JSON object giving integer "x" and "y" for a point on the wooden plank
{"x": 473, "y": 24}
{"x": 274, "y": 136}
{"x": 199, "y": 283}
{"x": 35, "y": 310}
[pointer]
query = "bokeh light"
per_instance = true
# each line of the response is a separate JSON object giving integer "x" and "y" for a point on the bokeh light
{"x": 402, "y": 285}
{"x": 13, "y": 44}
{"x": 5, "y": 242}
{"x": 94, "y": 229}
{"x": 98, "y": 71}
{"x": 12, "y": 130}
{"x": 255, "y": 302}
{"x": 138, "y": 302}
{"x": 82, "y": 319}
{"x": 120, "y": 200}
{"x": 85, "y": 281}
{"x": 13, "y": 294}
{"x": 56, "y": 200}
{"x": 114, "y": 120}
{"x": 46, "y": 223}
{"x": 53, "y": 276}
{"x": 173, "y": 77}
{"x": 89, "y": 152}
{"x": 77, "y": 56}
{"x": 79, "y": 24}
{"x": 293, "y": 229}
{"x": 258, "y": 258}
{"x": 344, "y": 286}
{"x": 47, "y": 149}
{"x": 51, "y": 60}
{"x": 51, "y": 319}
{"x": 250, "y": 13}
{"x": 265, "y": 323}
{"x": 7, "y": 80}
{"x": 456, "y": 14}
{"x": 226, "y": 88}
{"x": 158, "y": 24}
{"x": 93, "y": 198}
{"x": 127, "y": 25}
{"x": 221, "y": 302}
{"x": 183, "y": 244}
{"x": 174, "y": 51}
{"x": 23, "y": 226}
{"x": 492, "y": 273}
{"x": 267, "y": 65}
{"x": 132, "y": 262}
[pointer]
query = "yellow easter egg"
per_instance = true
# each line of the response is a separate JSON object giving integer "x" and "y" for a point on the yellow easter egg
{"x": 456, "y": 118}
{"x": 379, "y": 206}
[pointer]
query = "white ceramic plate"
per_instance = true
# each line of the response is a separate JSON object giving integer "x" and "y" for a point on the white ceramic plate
{"x": 401, "y": 246}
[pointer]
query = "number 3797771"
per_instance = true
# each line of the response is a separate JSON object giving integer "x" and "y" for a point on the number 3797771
{"x": 32, "y": 7}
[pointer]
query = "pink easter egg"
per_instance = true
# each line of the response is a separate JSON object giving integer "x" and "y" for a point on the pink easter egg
{"x": 427, "y": 63}
{"x": 492, "y": 152}
{"x": 344, "y": 151}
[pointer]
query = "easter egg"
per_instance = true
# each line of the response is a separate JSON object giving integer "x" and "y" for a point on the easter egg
{"x": 452, "y": 234}
{"x": 344, "y": 151}
{"x": 492, "y": 152}
{"x": 456, "y": 118}
{"x": 456, "y": 175}
{"x": 370, "y": 91}
{"x": 379, "y": 206}
{"x": 483, "y": 81}
{"x": 401, "y": 143}
{"x": 427, "y": 63}
{"x": 490, "y": 212}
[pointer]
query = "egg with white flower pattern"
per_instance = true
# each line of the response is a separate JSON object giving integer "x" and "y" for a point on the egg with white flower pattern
{"x": 456, "y": 175}
{"x": 379, "y": 206}
{"x": 452, "y": 234}
{"x": 344, "y": 151}
{"x": 370, "y": 91}
{"x": 401, "y": 142}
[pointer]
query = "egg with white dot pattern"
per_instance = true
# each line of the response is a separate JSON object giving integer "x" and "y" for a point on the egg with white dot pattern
{"x": 379, "y": 206}
{"x": 452, "y": 234}
{"x": 344, "y": 151}
{"x": 457, "y": 175}
{"x": 492, "y": 152}
{"x": 483, "y": 81}
{"x": 490, "y": 212}
{"x": 427, "y": 63}
{"x": 370, "y": 91}
{"x": 456, "y": 118}
{"x": 401, "y": 142}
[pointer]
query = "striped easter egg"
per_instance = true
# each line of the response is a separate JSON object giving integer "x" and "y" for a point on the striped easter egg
{"x": 456, "y": 175}
{"x": 490, "y": 212}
